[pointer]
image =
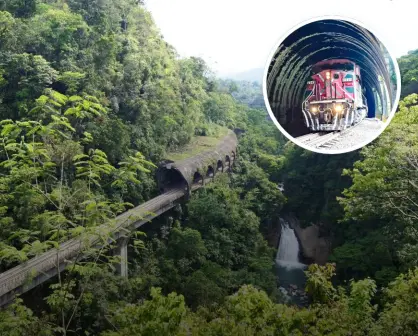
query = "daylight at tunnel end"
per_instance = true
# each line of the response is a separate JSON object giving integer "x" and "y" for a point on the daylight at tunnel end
{"x": 291, "y": 60}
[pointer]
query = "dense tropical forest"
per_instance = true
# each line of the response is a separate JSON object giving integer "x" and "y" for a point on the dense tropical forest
{"x": 92, "y": 99}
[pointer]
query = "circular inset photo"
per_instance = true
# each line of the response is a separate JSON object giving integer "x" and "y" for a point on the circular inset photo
{"x": 331, "y": 86}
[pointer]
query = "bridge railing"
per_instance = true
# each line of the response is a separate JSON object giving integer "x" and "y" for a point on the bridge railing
{"x": 37, "y": 270}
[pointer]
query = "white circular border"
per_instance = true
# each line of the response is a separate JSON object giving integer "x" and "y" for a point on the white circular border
{"x": 267, "y": 102}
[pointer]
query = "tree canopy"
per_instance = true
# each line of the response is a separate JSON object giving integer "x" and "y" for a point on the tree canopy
{"x": 92, "y": 99}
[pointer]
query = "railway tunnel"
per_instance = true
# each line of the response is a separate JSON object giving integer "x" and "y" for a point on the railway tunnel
{"x": 195, "y": 171}
{"x": 292, "y": 63}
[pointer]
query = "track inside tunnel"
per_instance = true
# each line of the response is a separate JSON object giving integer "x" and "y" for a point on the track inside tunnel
{"x": 330, "y": 39}
{"x": 169, "y": 179}
{"x": 364, "y": 131}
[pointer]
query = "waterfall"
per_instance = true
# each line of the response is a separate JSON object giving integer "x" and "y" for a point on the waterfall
{"x": 288, "y": 252}
{"x": 290, "y": 270}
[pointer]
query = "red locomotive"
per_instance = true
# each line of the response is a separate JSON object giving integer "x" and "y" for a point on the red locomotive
{"x": 334, "y": 97}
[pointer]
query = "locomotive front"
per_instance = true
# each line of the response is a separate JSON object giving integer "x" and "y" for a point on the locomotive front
{"x": 333, "y": 96}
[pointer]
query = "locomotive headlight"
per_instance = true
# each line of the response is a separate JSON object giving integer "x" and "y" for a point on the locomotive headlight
{"x": 314, "y": 109}
{"x": 328, "y": 75}
{"x": 338, "y": 108}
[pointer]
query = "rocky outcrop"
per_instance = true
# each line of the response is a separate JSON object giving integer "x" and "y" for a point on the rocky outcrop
{"x": 273, "y": 234}
{"x": 314, "y": 248}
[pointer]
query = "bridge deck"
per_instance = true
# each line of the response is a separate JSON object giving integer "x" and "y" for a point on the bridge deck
{"x": 41, "y": 268}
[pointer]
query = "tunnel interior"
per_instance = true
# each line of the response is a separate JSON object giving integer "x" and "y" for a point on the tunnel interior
{"x": 170, "y": 179}
{"x": 291, "y": 68}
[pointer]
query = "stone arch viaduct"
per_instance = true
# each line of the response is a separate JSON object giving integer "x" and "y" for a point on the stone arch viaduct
{"x": 176, "y": 181}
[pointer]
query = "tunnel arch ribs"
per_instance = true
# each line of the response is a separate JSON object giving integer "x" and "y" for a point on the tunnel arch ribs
{"x": 290, "y": 67}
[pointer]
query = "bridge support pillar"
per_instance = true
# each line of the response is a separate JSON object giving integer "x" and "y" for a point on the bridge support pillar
{"x": 121, "y": 251}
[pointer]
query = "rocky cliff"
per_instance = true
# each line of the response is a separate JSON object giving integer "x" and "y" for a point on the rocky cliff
{"x": 315, "y": 249}
{"x": 273, "y": 234}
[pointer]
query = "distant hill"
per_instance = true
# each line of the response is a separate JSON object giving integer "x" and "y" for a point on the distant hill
{"x": 246, "y": 92}
{"x": 253, "y": 75}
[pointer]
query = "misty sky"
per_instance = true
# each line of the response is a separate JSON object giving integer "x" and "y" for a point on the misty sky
{"x": 238, "y": 35}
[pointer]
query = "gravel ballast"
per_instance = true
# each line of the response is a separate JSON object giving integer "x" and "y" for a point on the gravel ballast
{"x": 366, "y": 131}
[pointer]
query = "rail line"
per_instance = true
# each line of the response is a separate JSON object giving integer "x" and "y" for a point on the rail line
{"x": 308, "y": 137}
{"x": 43, "y": 267}
{"x": 325, "y": 139}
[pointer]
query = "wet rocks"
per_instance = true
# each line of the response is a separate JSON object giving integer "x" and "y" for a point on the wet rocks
{"x": 295, "y": 295}
{"x": 314, "y": 247}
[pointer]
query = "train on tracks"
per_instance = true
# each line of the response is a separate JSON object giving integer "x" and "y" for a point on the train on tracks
{"x": 334, "y": 98}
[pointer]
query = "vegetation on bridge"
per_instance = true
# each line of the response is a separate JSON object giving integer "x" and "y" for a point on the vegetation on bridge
{"x": 199, "y": 144}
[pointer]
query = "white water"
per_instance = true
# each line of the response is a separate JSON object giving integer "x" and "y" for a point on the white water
{"x": 288, "y": 252}
{"x": 289, "y": 269}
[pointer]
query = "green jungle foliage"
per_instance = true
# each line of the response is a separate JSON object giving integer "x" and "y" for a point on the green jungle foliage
{"x": 408, "y": 66}
{"x": 248, "y": 93}
{"x": 91, "y": 100}
{"x": 249, "y": 311}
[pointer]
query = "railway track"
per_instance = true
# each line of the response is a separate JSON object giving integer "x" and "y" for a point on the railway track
{"x": 308, "y": 137}
{"x": 43, "y": 267}
{"x": 325, "y": 140}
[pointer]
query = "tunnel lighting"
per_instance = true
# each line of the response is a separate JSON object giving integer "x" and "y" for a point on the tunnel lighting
{"x": 338, "y": 108}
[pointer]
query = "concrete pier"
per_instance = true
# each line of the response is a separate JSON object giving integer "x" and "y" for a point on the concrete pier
{"x": 121, "y": 251}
